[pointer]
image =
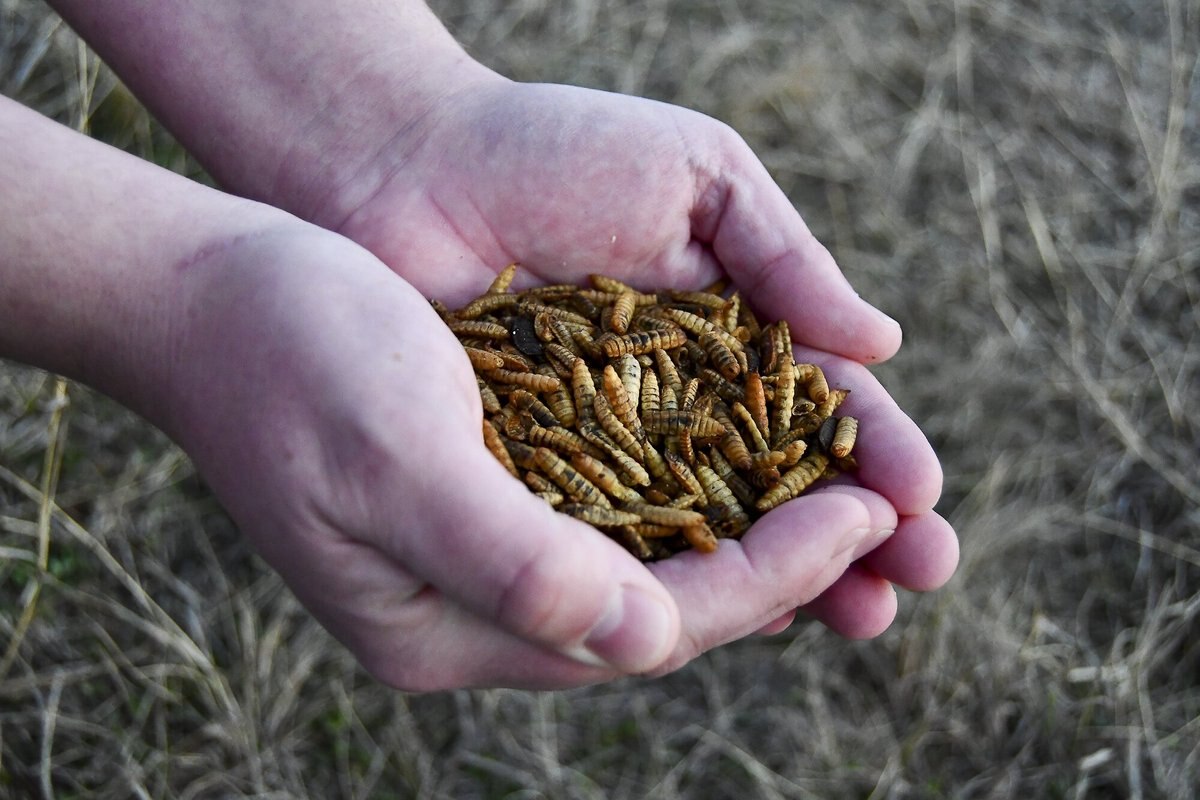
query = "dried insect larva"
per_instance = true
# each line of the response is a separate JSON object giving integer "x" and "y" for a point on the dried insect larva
{"x": 514, "y": 359}
{"x": 615, "y": 428}
{"x": 446, "y": 314}
{"x": 756, "y": 401}
{"x": 560, "y": 402}
{"x": 726, "y": 390}
{"x": 486, "y": 304}
{"x": 599, "y": 515}
{"x": 765, "y": 477}
{"x": 844, "y": 436}
{"x": 700, "y": 537}
{"x": 629, "y": 370}
{"x": 568, "y": 478}
{"x": 686, "y": 501}
{"x": 553, "y": 497}
{"x": 516, "y": 426}
{"x": 771, "y": 458}
{"x": 533, "y": 308}
{"x": 632, "y": 471}
{"x": 743, "y": 491}
{"x": 522, "y": 454}
{"x": 479, "y": 329}
{"x": 785, "y": 393}
{"x": 558, "y": 355}
{"x": 668, "y": 375}
{"x": 621, "y": 404}
{"x": 653, "y": 530}
{"x": 698, "y": 325}
{"x": 539, "y": 482}
{"x": 720, "y": 355}
{"x": 803, "y": 425}
{"x": 597, "y": 297}
{"x": 526, "y": 380}
{"x": 668, "y": 403}
{"x": 733, "y": 446}
{"x": 642, "y": 342}
{"x": 622, "y": 312}
{"x": 495, "y": 445}
{"x": 654, "y": 461}
{"x": 483, "y": 360}
{"x": 691, "y": 390}
{"x": 503, "y": 280}
{"x": 815, "y": 384}
{"x": 563, "y": 334}
{"x": 830, "y": 404}
{"x": 709, "y": 300}
{"x": 628, "y": 536}
{"x": 794, "y": 481}
{"x": 717, "y": 491}
{"x": 650, "y": 401}
{"x": 747, "y": 320}
{"x": 802, "y": 405}
{"x": 598, "y": 473}
{"x": 728, "y": 315}
{"x": 668, "y": 422}
{"x": 608, "y": 284}
{"x": 775, "y": 344}
{"x": 552, "y": 292}
{"x": 491, "y": 403}
{"x": 584, "y": 389}
{"x": 665, "y": 515}
{"x": 743, "y": 415}
{"x": 683, "y": 473}
{"x": 657, "y": 496}
{"x": 690, "y": 358}
{"x": 792, "y": 452}
{"x": 527, "y": 403}
{"x": 559, "y": 439}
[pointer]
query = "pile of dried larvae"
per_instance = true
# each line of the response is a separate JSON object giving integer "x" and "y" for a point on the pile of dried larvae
{"x": 667, "y": 420}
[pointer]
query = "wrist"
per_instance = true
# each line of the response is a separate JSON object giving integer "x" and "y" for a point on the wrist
{"x": 97, "y": 250}
{"x": 283, "y": 101}
{"x": 364, "y": 136}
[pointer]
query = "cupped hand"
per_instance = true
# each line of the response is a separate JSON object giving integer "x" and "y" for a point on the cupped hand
{"x": 570, "y": 181}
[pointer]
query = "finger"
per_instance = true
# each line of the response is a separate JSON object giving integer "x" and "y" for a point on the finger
{"x": 894, "y": 457}
{"x": 769, "y": 252}
{"x": 509, "y": 558}
{"x": 789, "y": 557}
{"x": 410, "y": 636}
{"x": 859, "y": 605}
{"x": 777, "y": 625}
{"x": 921, "y": 555}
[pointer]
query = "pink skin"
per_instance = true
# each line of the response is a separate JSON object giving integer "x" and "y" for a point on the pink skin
{"x": 546, "y": 175}
{"x": 336, "y": 421}
{"x": 295, "y": 380}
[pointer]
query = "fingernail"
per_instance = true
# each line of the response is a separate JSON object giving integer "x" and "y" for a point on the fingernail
{"x": 632, "y": 636}
{"x": 861, "y": 541}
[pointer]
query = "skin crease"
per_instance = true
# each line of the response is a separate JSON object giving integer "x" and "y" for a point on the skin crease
{"x": 335, "y": 420}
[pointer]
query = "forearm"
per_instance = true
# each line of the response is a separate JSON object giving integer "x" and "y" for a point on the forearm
{"x": 94, "y": 250}
{"x": 279, "y": 99}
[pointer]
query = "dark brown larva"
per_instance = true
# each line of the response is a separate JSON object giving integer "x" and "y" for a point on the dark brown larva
{"x": 668, "y": 420}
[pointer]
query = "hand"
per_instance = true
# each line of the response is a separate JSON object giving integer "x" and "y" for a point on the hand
{"x": 570, "y": 181}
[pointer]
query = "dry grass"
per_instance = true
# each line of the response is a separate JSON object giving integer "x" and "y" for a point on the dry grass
{"x": 1018, "y": 181}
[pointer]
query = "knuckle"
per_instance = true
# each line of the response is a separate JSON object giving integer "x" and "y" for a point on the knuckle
{"x": 538, "y": 604}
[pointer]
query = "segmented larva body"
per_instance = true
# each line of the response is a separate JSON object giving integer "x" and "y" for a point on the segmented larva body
{"x": 668, "y": 421}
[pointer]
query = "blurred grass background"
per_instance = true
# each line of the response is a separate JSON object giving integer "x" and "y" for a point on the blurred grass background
{"x": 1017, "y": 181}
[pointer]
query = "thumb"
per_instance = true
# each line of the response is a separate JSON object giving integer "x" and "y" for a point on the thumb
{"x": 768, "y": 251}
{"x": 506, "y": 555}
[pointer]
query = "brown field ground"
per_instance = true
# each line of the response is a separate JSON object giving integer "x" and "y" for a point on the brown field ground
{"x": 1017, "y": 181}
